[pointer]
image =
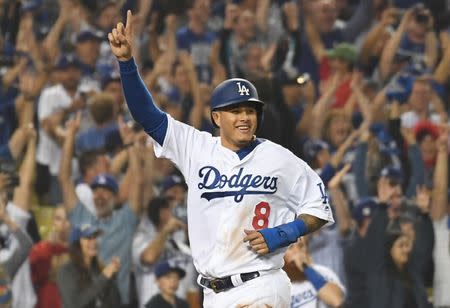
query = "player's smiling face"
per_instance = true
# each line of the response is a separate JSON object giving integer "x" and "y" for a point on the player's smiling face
{"x": 237, "y": 125}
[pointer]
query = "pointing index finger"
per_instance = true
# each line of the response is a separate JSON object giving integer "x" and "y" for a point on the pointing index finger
{"x": 129, "y": 24}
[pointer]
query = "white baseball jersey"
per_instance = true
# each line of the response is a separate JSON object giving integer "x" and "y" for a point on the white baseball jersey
{"x": 268, "y": 187}
{"x": 304, "y": 295}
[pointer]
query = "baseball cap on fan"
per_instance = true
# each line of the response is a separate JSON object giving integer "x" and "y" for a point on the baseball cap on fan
{"x": 394, "y": 174}
{"x": 343, "y": 51}
{"x": 66, "y": 61}
{"x": 83, "y": 231}
{"x": 89, "y": 34}
{"x": 363, "y": 209}
{"x": 165, "y": 267}
{"x": 313, "y": 147}
{"x": 172, "y": 181}
{"x": 110, "y": 76}
{"x": 106, "y": 181}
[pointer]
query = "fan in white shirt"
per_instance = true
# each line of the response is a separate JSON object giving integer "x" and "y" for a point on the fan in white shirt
{"x": 313, "y": 286}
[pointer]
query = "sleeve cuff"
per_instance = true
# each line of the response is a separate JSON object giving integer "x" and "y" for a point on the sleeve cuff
{"x": 127, "y": 66}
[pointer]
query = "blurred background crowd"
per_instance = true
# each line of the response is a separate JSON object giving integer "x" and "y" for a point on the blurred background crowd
{"x": 359, "y": 89}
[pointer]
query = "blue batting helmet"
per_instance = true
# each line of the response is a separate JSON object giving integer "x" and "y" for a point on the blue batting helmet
{"x": 235, "y": 91}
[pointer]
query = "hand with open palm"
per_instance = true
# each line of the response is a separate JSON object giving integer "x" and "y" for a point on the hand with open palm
{"x": 121, "y": 39}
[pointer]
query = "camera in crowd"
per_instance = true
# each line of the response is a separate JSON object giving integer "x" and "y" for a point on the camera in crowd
{"x": 421, "y": 14}
{"x": 8, "y": 167}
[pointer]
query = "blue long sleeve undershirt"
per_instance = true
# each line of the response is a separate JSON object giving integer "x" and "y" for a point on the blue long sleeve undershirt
{"x": 140, "y": 102}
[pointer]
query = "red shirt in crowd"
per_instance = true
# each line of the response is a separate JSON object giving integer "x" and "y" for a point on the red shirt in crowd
{"x": 41, "y": 266}
{"x": 343, "y": 91}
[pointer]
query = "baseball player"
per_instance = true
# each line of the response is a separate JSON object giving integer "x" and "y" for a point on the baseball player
{"x": 248, "y": 198}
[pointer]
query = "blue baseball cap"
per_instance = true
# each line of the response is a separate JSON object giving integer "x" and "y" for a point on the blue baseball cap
{"x": 83, "y": 231}
{"x": 106, "y": 181}
{"x": 66, "y": 61}
{"x": 364, "y": 209}
{"x": 172, "y": 181}
{"x": 165, "y": 267}
{"x": 110, "y": 77}
{"x": 90, "y": 34}
{"x": 392, "y": 173}
{"x": 399, "y": 88}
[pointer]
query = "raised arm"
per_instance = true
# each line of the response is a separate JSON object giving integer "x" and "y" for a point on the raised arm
{"x": 14, "y": 72}
{"x": 417, "y": 176}
{"x": 219, "y": 73}
{"x": 320, "y": 110}
{"x": 148, "y": 158}
{"x": 262, "y": 13}
{"x": 421, "y": 259}
{"x": 368, "y": 47}
{"x": 359, "y": 164}
{"x": 22, "y": 194}
{"x": 431, "y": 49}
{"x": 196, "y": 116}
{"x": 340, "y": 203}
{"x": 134, "y": 169}
{"x": 439, "y": 200}
{"x": 70, "y": 198}
{"x": 139, "y": 99}
{"x": 314, "y": 39}
{"x": 17, "y": 142}
{"x": 50, "y": 44}
{"x": 387, "y": 56}
{"x": 144, "y": 10}
{"x": 442, "y": 71}
{"x": 171, "y": 32}
{"x": 153, "y": 249}
{"x": 374, "y": 241}
{"x": 359, "y": 21}
{"x": 329, "y": 170}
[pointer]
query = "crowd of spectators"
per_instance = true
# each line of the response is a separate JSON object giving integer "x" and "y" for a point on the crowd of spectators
{"x": 359, "y": 89}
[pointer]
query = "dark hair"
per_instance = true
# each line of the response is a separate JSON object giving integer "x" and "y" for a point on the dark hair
{"x": 154, "y": 208}
{"x": 87, "y": 160}
{"x": 393, "y": 233}
{"x": 76, "y": 256}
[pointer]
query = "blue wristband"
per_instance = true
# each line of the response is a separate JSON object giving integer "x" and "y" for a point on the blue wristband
{"x": 283, "y": 235}
{"x": 315, "y": 278}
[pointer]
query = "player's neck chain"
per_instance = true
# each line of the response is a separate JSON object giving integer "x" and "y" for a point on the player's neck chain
{"x": 247, "y": 184}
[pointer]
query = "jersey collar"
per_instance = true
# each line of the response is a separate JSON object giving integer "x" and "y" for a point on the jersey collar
{"x": 242, "y": 153}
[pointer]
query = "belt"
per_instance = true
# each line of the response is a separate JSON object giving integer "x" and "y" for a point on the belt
{"x": 225, "y": 283}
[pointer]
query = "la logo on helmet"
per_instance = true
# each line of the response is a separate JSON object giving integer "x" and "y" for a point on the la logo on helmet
{"x": 242, "y": 89}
